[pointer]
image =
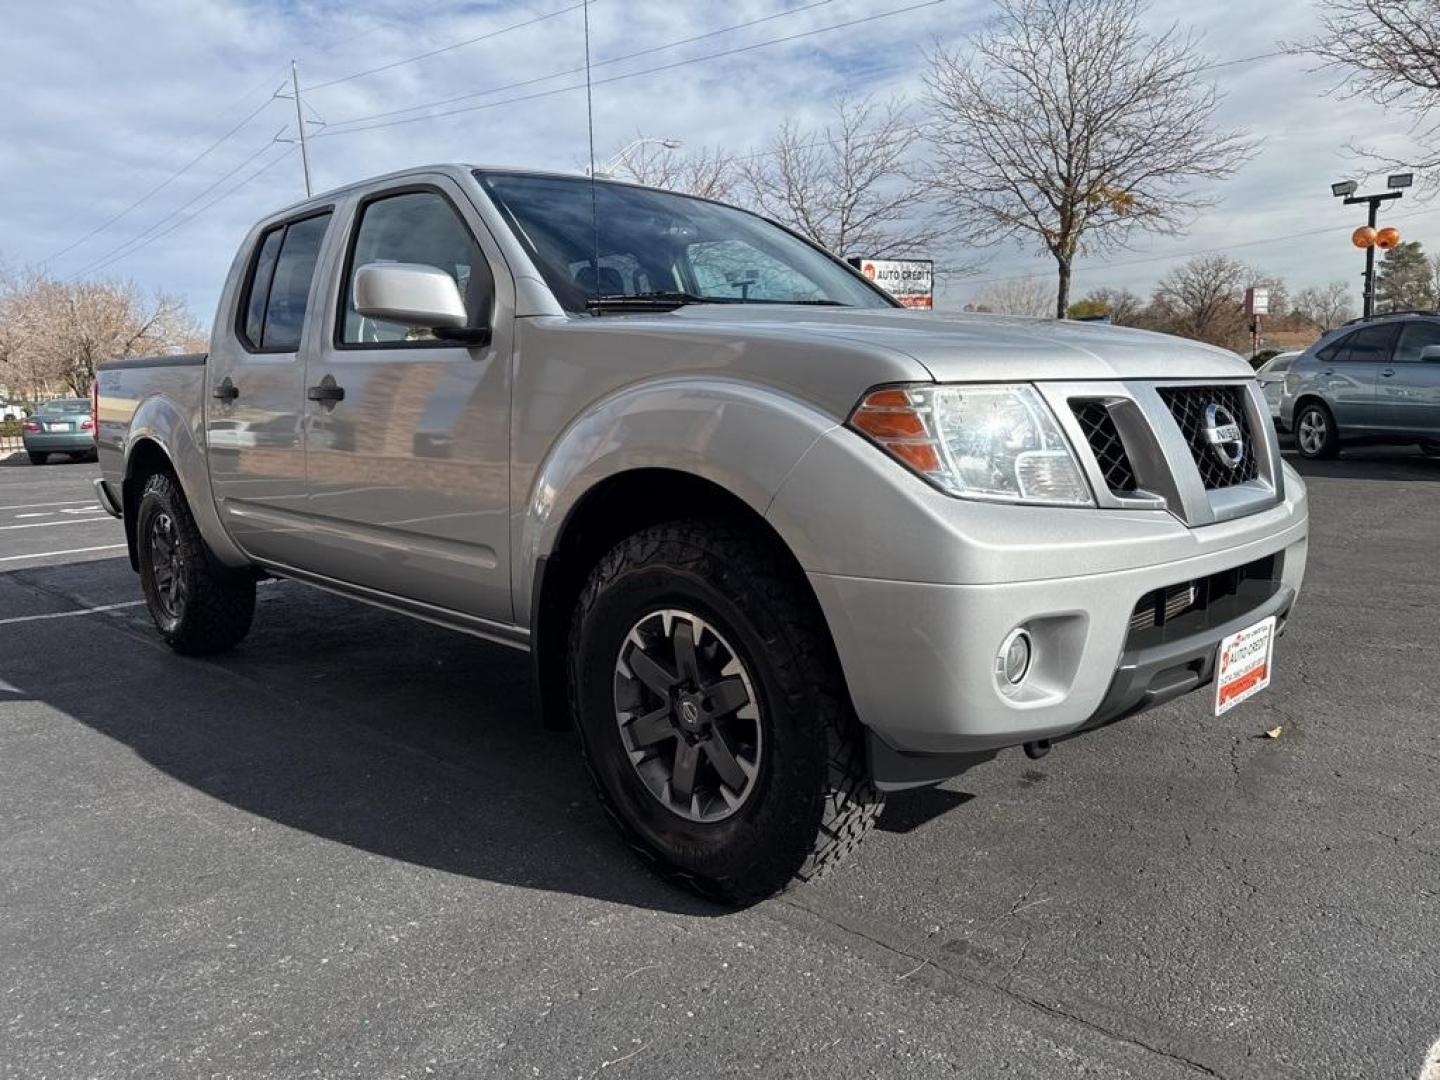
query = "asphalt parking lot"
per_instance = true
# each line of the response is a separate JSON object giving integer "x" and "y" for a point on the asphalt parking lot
{"x": 346, "y": 849}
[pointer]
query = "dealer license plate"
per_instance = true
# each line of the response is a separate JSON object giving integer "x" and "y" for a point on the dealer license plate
{"x": 1242, "y": 669}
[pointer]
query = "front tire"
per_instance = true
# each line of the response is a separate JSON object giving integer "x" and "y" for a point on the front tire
{"x": 1316, "y": 434}
{"x": 712, "y": 713}
{"x": 199, "y": 607}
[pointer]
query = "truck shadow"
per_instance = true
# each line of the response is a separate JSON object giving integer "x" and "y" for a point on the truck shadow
{"x": 367, "y": 729}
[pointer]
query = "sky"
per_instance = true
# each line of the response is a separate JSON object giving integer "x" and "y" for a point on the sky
{"x": 107, "y": 102}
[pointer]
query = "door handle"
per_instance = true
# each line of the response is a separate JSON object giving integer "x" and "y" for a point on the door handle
{"x": 226, "y": 391}
{"x": 1389, "y": 371}
{"x": 327, "y": 392}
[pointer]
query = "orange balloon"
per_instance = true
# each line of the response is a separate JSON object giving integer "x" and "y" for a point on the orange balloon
{"x": 1387, "y": 238}
{"x": 1363, "y": 237}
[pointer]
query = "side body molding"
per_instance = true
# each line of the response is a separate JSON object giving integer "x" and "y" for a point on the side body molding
{"x": 742, "y": 437}
{"x": 159, "y": 419}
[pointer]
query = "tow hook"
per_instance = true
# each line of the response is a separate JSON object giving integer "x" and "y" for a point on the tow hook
{"x": 1037, "y": 749}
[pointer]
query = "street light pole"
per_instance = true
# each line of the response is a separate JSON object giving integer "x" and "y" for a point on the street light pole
{"x": 1367, "y": 237}
{"x": 1373, "y": 202}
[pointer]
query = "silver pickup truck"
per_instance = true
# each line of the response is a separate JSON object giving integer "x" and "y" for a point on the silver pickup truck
{"x": 775, "y": 544}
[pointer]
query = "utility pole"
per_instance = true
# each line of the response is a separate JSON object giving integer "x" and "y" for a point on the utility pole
{"x": 300, "y": 126}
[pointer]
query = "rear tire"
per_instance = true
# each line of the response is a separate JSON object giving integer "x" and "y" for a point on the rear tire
{"x": 199, "y": 607}
{"x": 36, "y": 458}
{"x": 719, "y": 621}
{"x": 1316, "y": 434}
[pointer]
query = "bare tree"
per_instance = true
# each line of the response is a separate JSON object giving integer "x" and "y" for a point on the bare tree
{"x": 1201, "y": 299}
{"x": 1016, "y": 296}
{"x": 1122, "y": 306}
{"x": 851, "y": 186}
{"x": 711, "y": 174}
{"x": 1065, "y": 123}
{"x": 1324, "y": 307}
{"x": 1388, "y": 52}
{"x": 56, "y": 331}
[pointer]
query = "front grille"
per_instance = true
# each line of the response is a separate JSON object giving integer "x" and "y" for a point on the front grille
{"x": 1188, "y": 404}
{"x": 1104, "y": 439}
{"x": 1192, "y": 607}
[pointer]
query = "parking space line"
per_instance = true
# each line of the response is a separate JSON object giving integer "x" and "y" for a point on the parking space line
{"x": 46, "y": 524}
{"x": 34, "y": 514}
{"x": 72, "y": 551}
{"x": 68, "y": 614}
{"x": 37, "y": 506}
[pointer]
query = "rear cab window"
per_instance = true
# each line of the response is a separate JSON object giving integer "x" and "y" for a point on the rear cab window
{"x": 277, "y": 290}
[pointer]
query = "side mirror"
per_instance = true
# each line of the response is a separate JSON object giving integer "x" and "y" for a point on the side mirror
{"x": 418, "y": 296}
{"x": 1430, "y": 352}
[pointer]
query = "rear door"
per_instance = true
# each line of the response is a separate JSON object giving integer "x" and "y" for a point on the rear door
{"x": 1409, "y": 388}
{"x": 255, "y": 390}
{"x": 1346, "y": 373}
{"x": 409, "y": 489}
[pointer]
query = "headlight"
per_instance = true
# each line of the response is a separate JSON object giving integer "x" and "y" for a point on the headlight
{"x": 998, "y": 442}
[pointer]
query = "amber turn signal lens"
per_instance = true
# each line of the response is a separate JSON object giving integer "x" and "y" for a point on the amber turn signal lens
{"x": 890, "y": 425}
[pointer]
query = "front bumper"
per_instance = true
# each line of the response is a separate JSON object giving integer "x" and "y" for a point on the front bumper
{"x": 920, "y": 657}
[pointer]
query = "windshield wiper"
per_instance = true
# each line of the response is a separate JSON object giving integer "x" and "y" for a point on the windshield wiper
{"x": 650, "y": 301}
{"x": 670, "y": 300}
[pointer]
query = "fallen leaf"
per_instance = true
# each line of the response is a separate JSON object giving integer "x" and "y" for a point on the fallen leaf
{"x": 1274, "y": 732}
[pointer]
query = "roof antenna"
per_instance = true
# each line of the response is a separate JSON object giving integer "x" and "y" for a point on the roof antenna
{"x": 590, "y": 121}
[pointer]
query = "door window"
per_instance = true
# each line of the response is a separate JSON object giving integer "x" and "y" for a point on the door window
{"x": 1414, "y": 337}
{"x": 1370, "y": 344}
{"x": 413, "y": 227}
{"x": 278, "y": 292}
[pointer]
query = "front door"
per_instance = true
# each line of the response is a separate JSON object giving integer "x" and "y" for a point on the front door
{"x": 255, "y": 392}
{"x": 1409, "y": 387}
{"x": 408, "y": 472}
{"x": 1348, "y": 370}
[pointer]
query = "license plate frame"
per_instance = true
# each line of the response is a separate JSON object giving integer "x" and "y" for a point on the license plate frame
{"x": 1244, "y": 663}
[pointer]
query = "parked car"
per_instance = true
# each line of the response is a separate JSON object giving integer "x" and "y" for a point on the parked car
{"x": 12, "y": 410}
{"x": 65, "y": 426}
{"x": 1271, "y": 378}
{"x": 1373, "y": 380}
{"x": 775, "y": 544}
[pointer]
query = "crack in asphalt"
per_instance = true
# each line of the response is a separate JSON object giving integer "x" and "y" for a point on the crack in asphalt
{"x": 883, "y": 938}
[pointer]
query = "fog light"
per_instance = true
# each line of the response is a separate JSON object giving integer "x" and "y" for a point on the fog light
{"x": 1013, "y": 661}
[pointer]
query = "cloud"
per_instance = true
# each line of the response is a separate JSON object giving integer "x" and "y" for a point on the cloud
{"x": 108, "y": 100}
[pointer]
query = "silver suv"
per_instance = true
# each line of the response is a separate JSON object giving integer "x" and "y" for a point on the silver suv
{"x": 1372, "y": 380}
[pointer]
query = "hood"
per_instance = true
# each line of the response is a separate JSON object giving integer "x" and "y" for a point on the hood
{"x": 972, "y": 347}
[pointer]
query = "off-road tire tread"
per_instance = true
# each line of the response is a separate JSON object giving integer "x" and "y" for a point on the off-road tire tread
{"x": 221, "y": 605}
{"x": 745, "y": 567}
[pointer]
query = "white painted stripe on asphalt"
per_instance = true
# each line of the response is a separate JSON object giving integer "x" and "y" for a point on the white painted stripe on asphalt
{"x": 72, "y": 551}
{"x": 67, "y": 614}
{"x": 36, "y": 506}
{"x": 34, "y": 513}
{"x": 85, "y": 510}
{"x": 47, "y": 524}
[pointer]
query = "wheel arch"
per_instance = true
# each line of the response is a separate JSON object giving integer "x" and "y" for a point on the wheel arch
{"x": 163, "y": 437}
{"x": 608, "y": 512}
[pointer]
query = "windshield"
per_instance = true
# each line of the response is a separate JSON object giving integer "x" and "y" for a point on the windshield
{"x": 56, "y": 408}
{"x": 656, "y": 242}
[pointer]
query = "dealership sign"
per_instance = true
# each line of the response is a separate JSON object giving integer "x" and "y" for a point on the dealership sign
{"x": 911, "y": 281}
